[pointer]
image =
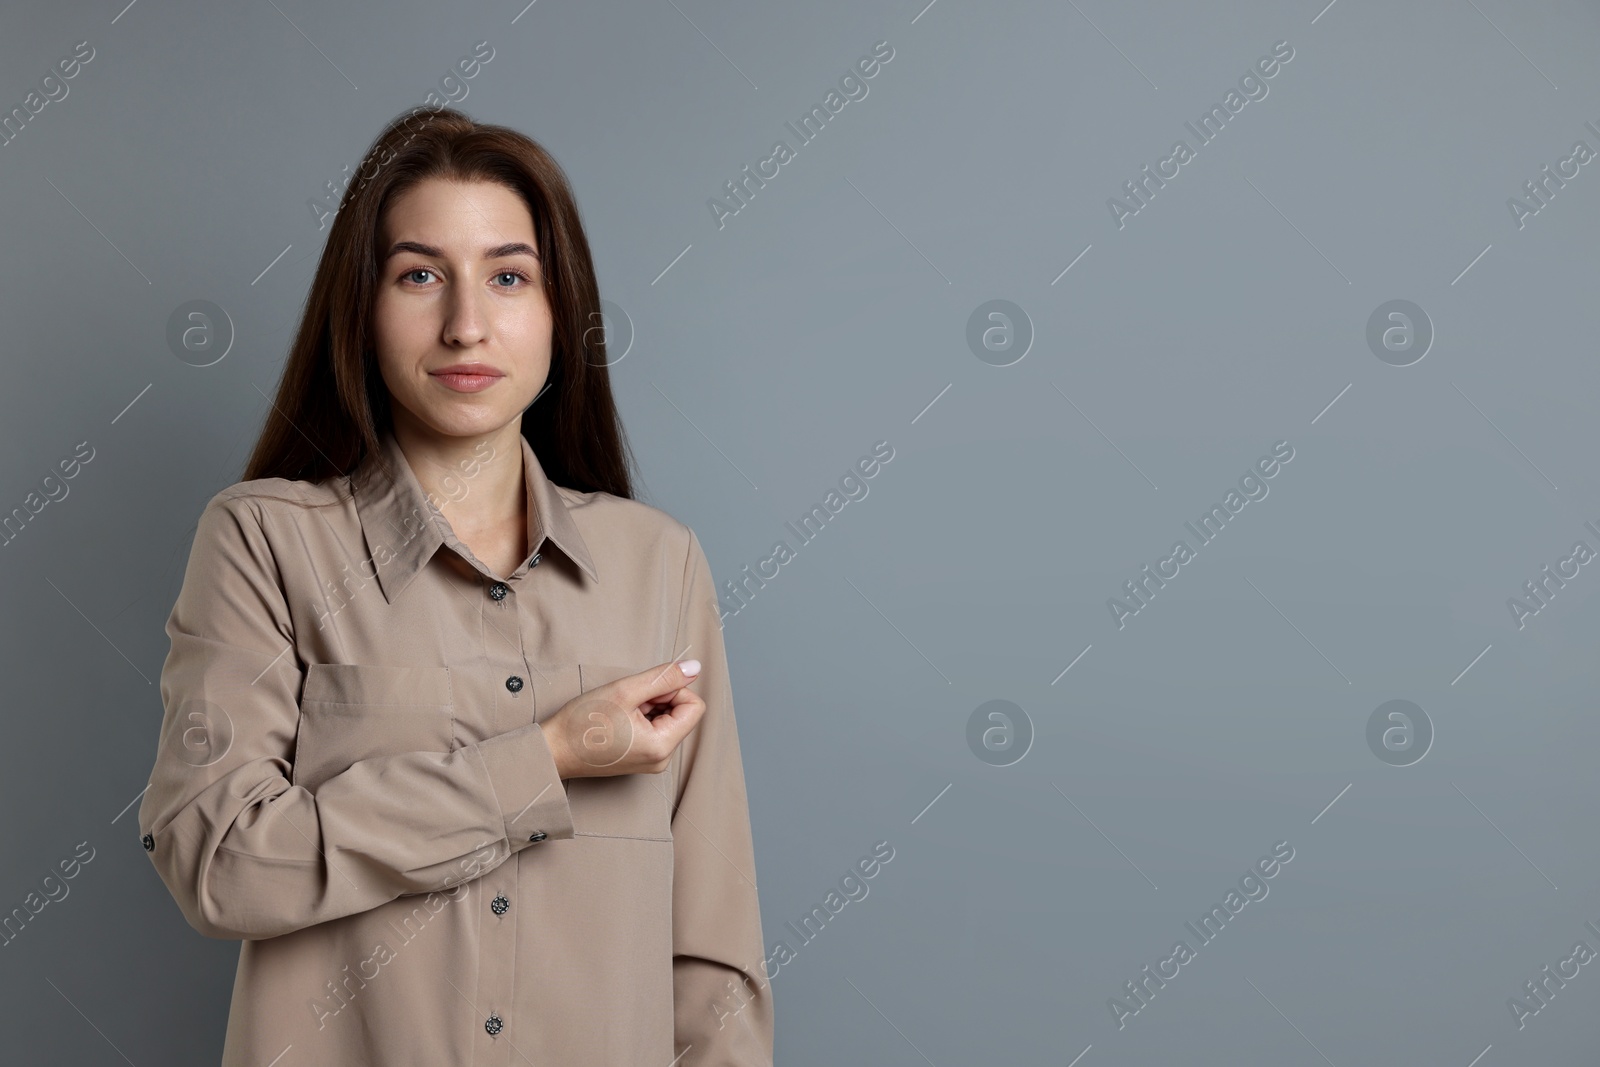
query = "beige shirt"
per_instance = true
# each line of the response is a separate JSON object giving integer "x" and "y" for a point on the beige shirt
{"x": 353, "y": 780}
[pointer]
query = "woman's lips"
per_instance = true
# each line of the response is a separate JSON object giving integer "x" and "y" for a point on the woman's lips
{"x": 466, "y": 383}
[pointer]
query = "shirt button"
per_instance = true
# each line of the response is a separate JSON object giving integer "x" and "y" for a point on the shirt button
{"x": 514, "y": 684}
{"x": 534, "y": 562}
{"x": 500, "y": 905}
{"x": 493, "y": 1023}
{"x": 149, "y": 842}
{"x": 497, "y": 591}
{"x": 537, "y": 835}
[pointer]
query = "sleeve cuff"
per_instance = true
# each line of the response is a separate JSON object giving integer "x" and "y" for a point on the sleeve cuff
{"x": 531, "y": 795}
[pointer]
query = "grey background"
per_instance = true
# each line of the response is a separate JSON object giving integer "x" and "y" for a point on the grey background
{"x": 831, "y": 313}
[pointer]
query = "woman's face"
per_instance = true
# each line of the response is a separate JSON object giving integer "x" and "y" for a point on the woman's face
{"x": 460, "y": 289}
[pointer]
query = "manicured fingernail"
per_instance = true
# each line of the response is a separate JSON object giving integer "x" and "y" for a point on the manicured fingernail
{"x": 691, "y": 667}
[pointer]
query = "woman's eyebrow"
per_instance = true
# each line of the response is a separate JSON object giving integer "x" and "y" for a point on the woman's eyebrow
{"x": 511, "y": 248}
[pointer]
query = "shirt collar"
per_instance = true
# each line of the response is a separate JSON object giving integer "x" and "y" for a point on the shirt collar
{"x": 403, "y": 528}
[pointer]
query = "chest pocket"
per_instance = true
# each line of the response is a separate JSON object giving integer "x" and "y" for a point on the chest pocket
{"x": 355, "y": 711}
{"x": 634, "y": 806}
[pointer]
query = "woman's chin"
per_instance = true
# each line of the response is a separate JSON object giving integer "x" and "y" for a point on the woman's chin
{"x": 466, "y": 419}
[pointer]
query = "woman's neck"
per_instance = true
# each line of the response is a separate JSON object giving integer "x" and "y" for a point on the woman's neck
{"x": 476, "y": 481}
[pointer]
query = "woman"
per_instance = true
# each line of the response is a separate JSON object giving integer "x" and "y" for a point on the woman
{"x": 429, "y": 746}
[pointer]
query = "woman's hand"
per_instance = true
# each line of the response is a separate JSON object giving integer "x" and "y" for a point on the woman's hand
{"x": 629, "y": 726}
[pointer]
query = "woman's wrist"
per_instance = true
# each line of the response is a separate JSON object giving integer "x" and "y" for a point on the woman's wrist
{"x": 560, "y": 751}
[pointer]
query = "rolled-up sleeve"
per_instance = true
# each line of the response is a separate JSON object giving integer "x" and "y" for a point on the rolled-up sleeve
{"x": 722, "y": 999}
{"x": 248, "y": 855}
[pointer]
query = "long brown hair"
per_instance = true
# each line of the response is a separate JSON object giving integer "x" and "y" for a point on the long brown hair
{"x": 332, "y": 404}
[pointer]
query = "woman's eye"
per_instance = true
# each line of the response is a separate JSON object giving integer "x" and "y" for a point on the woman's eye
{"x": 505, "y": 279}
